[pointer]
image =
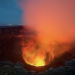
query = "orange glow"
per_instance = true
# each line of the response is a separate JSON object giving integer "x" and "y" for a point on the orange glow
{"x": 53, "y": 21}
{"x": 39, "y": 62}
{"x": 36, "y": 54}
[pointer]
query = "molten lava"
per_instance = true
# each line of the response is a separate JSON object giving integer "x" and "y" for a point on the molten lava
{"x": 37, "y": 54}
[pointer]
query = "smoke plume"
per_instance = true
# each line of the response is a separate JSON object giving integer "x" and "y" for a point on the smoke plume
{"x": 52, "y": 20}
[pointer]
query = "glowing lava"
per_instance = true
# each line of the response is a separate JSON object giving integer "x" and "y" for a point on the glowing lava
{"x": 36, "y": 54}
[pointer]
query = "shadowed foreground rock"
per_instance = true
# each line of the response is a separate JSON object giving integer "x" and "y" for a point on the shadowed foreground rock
{"x": 17, "y": 69}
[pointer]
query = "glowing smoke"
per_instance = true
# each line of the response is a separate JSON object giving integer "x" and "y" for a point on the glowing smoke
{"x": 53, "y": 20}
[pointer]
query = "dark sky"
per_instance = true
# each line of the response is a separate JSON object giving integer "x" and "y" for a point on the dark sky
{"x": 10, "y": 12}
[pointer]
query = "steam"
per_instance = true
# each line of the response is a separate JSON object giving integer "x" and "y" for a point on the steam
{"x": 53, "y": 20}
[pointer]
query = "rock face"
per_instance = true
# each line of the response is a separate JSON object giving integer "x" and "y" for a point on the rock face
{"x": 11, "y": 49}
{"x": 10, "y": 43}
{"x": 15, "y": 31}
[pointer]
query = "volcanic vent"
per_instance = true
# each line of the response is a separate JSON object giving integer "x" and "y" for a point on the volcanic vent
{"x": 35, "y": 53}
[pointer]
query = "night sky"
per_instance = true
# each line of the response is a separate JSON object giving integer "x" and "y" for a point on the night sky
{"x": 10, "y": 12}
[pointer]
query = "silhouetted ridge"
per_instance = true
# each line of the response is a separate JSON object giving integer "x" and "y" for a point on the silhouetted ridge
{"x": 66, "y": 70}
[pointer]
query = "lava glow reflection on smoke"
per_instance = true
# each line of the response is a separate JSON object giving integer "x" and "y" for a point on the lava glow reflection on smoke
{"x": 37, "y": 54}
{"x": 52, "y": 20}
